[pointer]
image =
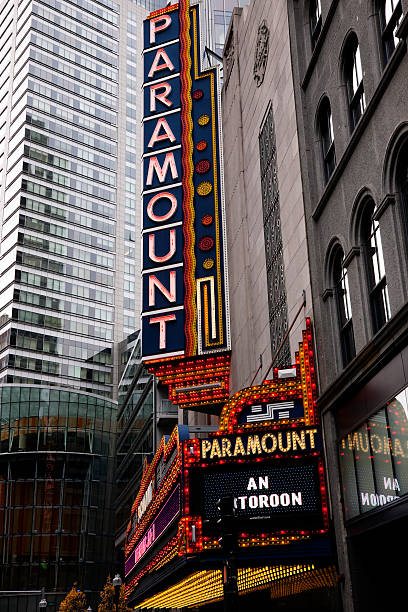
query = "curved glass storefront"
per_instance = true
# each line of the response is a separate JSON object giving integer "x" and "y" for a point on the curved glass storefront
{"x": 56, "y": 485}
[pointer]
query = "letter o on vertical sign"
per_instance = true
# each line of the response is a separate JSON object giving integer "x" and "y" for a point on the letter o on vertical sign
{"x": 173, "y": 207}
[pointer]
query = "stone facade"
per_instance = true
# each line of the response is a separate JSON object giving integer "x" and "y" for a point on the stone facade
{"x": 258, "y": 87}
{"x": 365, "y": 184}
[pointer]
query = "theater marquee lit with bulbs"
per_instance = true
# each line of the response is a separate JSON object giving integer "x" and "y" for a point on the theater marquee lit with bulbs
{"x": 185, "y": 315}
{"x": 267, "y": 454}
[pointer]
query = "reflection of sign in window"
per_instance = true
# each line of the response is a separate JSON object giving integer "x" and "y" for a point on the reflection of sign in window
{"x": 374, "y": 459}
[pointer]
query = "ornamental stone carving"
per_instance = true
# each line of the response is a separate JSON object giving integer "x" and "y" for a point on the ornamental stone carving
{"x": 261, "y": 53}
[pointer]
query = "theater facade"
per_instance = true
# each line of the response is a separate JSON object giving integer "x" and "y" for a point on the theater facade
{"x": 267, "y": 454}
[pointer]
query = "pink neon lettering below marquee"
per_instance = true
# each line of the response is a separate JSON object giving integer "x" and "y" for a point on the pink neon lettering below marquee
{"x": 146, "y": 542}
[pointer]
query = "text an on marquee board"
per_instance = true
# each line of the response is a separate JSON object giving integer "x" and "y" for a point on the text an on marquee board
{"x": 288, "y": 492}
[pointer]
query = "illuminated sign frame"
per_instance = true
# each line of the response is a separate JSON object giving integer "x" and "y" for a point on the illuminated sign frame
{"x": 185, "y": 310}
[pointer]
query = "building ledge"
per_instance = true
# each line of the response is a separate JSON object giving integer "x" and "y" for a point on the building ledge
{"x": 385, "y": 345}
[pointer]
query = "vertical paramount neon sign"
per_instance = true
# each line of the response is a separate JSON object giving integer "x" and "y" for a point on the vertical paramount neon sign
{"x": 185, "y": 317}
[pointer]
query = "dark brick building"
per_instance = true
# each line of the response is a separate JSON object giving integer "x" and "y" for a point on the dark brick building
{"x": 350, "y": 71}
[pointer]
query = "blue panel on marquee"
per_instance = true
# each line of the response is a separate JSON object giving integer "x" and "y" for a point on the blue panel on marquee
{"x": 163, "y": 207}
{"x": 162, "y": 97}
{"x": 161, "y": 63}
{"x": 167, "y": 129}
{"x": 273, "y": 411}
{"x": 165, "y": 278}
{"x": 174, "y": 334}
{"x": 153, "y": 35}
{"x": 162, "y": 247}
{"x": 169, "y": 164}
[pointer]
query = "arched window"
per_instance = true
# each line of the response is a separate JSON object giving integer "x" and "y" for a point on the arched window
{"x": 353, "y": 74}
{"x": 374, "y": 260}
{"x": 402, "y": 184}
{"x": 315, "y": 20}
{"x": 342, "y": 294}
{"x": 325, "y": 122}
{"x": 390, "y": 16}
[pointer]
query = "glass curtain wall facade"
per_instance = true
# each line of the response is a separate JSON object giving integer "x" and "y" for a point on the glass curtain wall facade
{"x": 58, "y": 194}
{"x": 218, "y": 15}
{"x": 56, "y": 485}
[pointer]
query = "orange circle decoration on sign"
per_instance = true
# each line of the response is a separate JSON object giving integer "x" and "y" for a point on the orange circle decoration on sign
{"x": 203, "y": 120}
{"x": 207, "y": 220}
{"x": 206, "y": 243}
{"x": 201, "y": 146}
{"x": 208, "y": 263}
{"x": 204, "y": 188}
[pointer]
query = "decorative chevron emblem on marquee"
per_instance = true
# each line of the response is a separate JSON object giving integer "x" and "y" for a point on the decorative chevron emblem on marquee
{"x": 272, "y": 412}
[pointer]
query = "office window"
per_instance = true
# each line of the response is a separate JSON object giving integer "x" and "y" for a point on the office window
{"x": 376, "y": 278}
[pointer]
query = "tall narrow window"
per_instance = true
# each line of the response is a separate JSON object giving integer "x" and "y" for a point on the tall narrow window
{"x": 390, "y": 16}
{"x": 353, "y": 73}
{"x": 376, "y": 278}
{"x": 315, "y": 20}
{"x": 342, "y": 292}
{"x": 327, "y": 138}
{"x": 402, "y": 185}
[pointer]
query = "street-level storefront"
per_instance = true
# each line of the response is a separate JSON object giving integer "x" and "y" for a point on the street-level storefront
{"x": 372, "y": 430}
{"x": 267, "y": 455}
{"x": 365, "y": 418}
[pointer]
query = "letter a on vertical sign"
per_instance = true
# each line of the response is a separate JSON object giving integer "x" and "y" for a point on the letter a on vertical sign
{"x": 185, "y": 316}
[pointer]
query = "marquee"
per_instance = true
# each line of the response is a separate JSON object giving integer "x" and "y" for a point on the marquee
{"x": 271, "y": 466}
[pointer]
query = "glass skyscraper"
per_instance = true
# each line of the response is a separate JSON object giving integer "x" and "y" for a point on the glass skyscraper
{"x": 58, "y": 195}
{"x": 57, "y": 454}
{"x": 217, "y": 17}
